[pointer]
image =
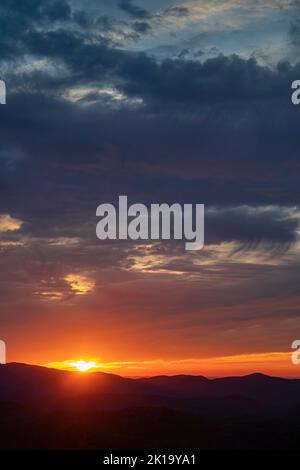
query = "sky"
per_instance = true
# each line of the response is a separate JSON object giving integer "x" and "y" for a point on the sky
{"x": 162, "y": 101}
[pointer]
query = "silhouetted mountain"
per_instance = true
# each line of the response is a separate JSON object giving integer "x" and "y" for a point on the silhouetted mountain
{"x": 39, "y": 387}
{"x": 48, "y": 408}
{"x": 257, "y": 387}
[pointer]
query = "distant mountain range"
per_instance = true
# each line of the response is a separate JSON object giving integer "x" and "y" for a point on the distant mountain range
{"x": 37, "y": 403}
{"x": 39, "y": 387}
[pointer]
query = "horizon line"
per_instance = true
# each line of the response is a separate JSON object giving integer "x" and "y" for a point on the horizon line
{"x": 92, "y": 372}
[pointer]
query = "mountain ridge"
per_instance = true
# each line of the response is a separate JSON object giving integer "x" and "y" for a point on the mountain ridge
{"x": 40, "y": 386}
{"x": 43, "y": 408}
{"x": 41, "y": 367}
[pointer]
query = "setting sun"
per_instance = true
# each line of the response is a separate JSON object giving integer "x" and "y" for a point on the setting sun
{"x": 83, "y": 366}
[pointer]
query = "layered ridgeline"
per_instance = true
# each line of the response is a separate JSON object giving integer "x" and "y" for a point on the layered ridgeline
{"x": 48, "y": 408}
{"x": 56, "y": 389}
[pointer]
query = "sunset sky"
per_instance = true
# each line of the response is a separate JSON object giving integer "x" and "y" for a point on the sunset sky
{"x": 162, "y": 101}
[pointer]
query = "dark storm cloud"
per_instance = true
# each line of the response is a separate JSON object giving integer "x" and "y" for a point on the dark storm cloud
{"x": 294, "y": 32}
{"x": 141, "y": 26}
{"x": 244, "y": 139}
{"x": 133, "y": 10}
{"x": 217, "y": 80}
{"x": 21, "y": 22}
{"x": 176, "y": 81}
{"x": 252, "y": 226}
{"x": 177, "y": 11}
{"x": 15, "y": 14}
{"x": 16, "y": 18}
{"x": 170, "y": 81}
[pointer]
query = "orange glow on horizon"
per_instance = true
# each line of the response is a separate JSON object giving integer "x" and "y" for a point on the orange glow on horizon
{"x": 271, "y": 363}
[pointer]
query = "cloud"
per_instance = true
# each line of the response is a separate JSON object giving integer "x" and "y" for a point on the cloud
{"x": 251, "y": 226}
{"x": 9, "y": 223}
{"x": 141, "y": 27}
{"x": 80, "y": 284}
{"x": 132, "y": 9}
{"x": 294, "y": 32}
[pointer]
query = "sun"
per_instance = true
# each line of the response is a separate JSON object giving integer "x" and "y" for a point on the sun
{"x": 78, "y": 365}
{"x": 83, "y": 366}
